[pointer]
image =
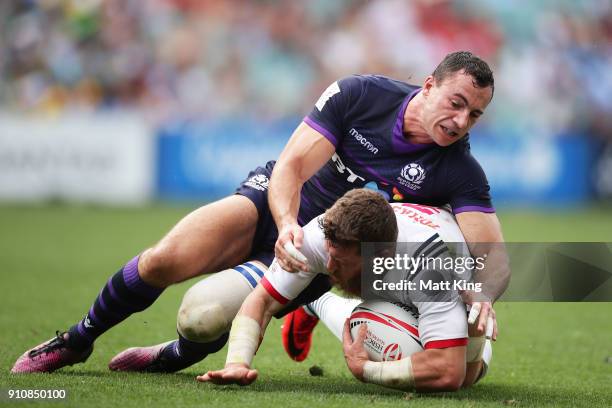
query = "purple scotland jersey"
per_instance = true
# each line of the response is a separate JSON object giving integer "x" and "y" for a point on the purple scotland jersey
{"x": 362, "y": 115}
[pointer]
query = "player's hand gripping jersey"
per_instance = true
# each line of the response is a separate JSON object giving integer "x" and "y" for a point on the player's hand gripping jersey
{"x": 363, "y": 117}
{"x": 441, "y": 324}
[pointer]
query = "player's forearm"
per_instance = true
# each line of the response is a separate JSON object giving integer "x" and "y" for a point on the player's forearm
{"x": 484, "y": 236}
{"x": 495, "y": 275}
{"x": 284, "y": 193}
{"x": 426, "y": 371}
{"x": 305, "y": 153}
{"x": 259, "y": 306}
{"x": 249, "y": 326}
{"x": 439, "y": 369}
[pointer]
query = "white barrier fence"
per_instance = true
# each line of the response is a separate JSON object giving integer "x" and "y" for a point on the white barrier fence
{"x": 103, "y": 159}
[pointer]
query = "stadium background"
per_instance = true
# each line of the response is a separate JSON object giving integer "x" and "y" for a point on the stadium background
{"x": 117, "y": 117}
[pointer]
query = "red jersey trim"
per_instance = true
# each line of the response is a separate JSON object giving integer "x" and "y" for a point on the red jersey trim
{"x": 439, "y": 344}
{"x": 273, "y": 292}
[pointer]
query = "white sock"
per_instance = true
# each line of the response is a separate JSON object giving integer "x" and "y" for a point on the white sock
{"x": 333, "y": 310}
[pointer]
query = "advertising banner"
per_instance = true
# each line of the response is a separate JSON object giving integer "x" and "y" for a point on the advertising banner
{"x": 94, "y": 158}
{"x": 536, "y": 170}
{"x": 206, "y": 161}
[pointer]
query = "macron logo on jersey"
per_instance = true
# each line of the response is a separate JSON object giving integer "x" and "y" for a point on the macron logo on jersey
{"x": 364, "y": 142}
{"x": 328, "y": 93}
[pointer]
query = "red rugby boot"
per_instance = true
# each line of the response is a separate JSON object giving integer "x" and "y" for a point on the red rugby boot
{"x": 297, "y": 333}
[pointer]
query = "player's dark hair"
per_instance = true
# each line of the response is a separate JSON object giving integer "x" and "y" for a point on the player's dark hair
{"x": 470, "y": 64}
{"x": 360, "y": 215}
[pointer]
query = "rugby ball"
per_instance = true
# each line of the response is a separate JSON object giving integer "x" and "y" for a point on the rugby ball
{"x": 392, "y": 331}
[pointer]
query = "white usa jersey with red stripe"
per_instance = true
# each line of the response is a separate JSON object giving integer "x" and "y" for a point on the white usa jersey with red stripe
{"x": 441, "y": 324}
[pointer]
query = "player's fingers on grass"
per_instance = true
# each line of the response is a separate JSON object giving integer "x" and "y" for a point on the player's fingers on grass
{"x": 221, "y": 381}
{"x": 248, "y": 378}
{"x": 222, "y": 377}
{"x": 214, "y": 376}
{"x": 204, "y": 377}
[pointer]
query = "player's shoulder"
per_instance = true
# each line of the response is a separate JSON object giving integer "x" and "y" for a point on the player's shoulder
{"x": 313, "y": 229}
{"x": 378, "y": 83}
{"x": 460, "y": 157}
{"x": 371, "y": 83}
{"x": 421, "y": 222}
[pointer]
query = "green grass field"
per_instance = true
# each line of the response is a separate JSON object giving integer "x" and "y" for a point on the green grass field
{"x": 54, "y": 260}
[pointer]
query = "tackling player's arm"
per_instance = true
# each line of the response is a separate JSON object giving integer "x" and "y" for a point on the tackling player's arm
{"x": 305, "y": 153}
{"x": 482, "y": 232}
{"x": 246, "y": 334}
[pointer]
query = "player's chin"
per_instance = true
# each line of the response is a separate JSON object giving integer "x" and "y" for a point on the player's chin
{"x": 442, "y": 138}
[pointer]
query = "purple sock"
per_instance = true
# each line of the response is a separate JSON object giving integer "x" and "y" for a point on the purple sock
{"x": 124, "y": 293}
{"x": 183, "y": 353}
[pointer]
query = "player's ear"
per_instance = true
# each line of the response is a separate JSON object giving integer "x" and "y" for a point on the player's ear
{"x": 428, "y": 84}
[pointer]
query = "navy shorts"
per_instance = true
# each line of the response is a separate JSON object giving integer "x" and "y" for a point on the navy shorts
{"x": 255, "y": 188}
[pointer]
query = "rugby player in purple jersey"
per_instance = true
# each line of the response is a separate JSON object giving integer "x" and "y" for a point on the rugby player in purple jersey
{"x": 407, "y": 142}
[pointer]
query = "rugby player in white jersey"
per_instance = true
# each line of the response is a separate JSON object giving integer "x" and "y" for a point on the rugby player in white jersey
{"x": 450, "y": 359}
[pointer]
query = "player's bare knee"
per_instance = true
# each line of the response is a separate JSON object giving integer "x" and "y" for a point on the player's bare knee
{"x": 159, "y": 265}
{"x": 155, "y": 266}
{"x": 202, "y": 323}
{"x": 209, "y": 306}
{"x": 202, "y": 316}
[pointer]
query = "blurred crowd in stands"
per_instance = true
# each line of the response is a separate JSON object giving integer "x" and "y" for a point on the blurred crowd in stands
{"x": 270, "y": 59}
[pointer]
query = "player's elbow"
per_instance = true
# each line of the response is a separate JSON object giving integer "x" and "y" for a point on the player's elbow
{"x": 450, "y": 376}
{"x": 450, "y": 382}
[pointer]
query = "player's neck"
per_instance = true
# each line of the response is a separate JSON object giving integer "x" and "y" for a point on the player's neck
{"x": 413, "y": 129}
